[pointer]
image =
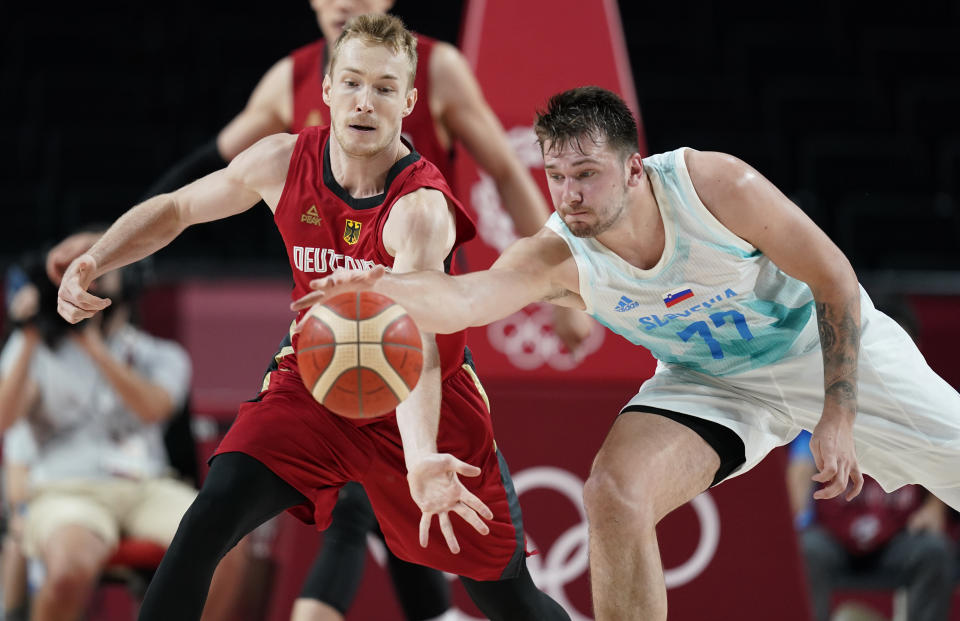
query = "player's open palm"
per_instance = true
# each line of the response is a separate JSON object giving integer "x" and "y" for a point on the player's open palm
{"x": 836, "y": 457}
{"x": 436, "y": 488}
{"x": 341, "y": 281}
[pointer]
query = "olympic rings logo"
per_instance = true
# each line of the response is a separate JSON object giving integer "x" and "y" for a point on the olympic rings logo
{"x": 526, "y": 337}
{"x": 567, "y": 558}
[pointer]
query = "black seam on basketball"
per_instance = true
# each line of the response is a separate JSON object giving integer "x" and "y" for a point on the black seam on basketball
{"x": 312, "y": 347}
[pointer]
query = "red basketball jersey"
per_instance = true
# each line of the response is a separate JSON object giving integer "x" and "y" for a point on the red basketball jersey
{"x": 418, "y": 128}
{"x": 324, "y": 228}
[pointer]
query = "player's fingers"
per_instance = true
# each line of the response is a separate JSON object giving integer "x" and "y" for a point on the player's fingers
{"x": 308, "y": 300}
{"x": 71, "y": 313}
{"x": 447, "y": 529}
{"x": 425, "y": 529}
{"x": 832, "y": 489}
{"x": 471, "y": 517}
{"x": 474, "y": 502}
{"x": 828, "y": 469}
{"x": 817, "y": 454}
{"x": 857, "y": 478}
{"x": 463, "y": 468}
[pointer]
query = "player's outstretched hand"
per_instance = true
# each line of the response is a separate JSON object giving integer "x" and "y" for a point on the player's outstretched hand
{"x": 836, "y": 457}
{"x": 437, "y": 490}
{"x": 74, "y": 302}
{"x": 341, "y": 281}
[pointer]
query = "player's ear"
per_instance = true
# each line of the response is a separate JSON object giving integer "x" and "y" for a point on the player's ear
{"x": 327, "y": 83}
{"x": 633, "y": 167}
{"x": 410, "y": 102}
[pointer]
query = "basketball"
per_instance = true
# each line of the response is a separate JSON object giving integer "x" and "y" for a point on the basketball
{"x": 360, "y": 354}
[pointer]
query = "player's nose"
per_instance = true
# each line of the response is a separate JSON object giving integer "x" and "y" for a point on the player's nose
{"x": 364, "y": 100}
{"x": 571, "y": 193}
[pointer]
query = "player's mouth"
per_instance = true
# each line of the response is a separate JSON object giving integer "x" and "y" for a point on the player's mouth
{"x": 362, "y": 128}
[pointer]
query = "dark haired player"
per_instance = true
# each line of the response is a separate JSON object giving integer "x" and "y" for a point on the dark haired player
{"x": 755, "y": 316}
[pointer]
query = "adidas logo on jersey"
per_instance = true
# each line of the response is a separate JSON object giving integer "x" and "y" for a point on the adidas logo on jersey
{"x": 311, "y": 216}
{"x": 625, "y": 304}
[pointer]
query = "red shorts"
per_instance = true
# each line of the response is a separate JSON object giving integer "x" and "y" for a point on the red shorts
{"x": 317, "y": 451}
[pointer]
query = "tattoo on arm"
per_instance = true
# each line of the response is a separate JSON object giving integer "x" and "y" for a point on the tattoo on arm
{"x": 840, "y": 342}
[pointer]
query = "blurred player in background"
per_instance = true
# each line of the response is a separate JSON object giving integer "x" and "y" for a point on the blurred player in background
{"x": 756, "y": 317}
{"x": 285, "y": 450}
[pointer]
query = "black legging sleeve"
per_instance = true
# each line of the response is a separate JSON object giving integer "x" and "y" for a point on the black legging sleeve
{"x": 239, "y": 494}
{"x": 337, "y": 571}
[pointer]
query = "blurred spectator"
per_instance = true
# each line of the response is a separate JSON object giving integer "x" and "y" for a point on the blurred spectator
{"x": 897, "y": 538}
{"x": 87, "y": 405}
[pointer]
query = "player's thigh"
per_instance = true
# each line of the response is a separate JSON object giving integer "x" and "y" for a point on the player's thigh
{"x": 51, "y": 512}
{"x": 160, "y": 507}
{"x": 654, "y": 459}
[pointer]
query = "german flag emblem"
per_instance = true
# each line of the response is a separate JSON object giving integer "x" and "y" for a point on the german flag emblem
{"x": 351, "y": 232}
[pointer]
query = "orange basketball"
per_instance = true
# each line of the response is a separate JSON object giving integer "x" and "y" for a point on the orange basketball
{"x": 360, "y": 354}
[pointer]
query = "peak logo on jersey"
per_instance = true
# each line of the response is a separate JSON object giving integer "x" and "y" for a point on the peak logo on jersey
{"x": 625, "y": 304}
{"x": 351, "y": 232}
{"x": 672, "y": 299}
{"x": 311, "y": 216}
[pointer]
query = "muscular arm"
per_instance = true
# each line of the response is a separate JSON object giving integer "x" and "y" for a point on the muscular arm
{"x": 532, "y": 269}
{"x": 755, "y": 210}
{"x": 259, "y": 172}
{"x": 420, "y": 233}
{"x": 465, "y": 114}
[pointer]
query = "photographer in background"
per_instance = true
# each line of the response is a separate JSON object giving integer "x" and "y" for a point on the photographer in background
{"x": 94, "y": 398}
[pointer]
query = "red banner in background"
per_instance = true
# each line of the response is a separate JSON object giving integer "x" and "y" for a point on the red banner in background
{"x": 522, "y": 53}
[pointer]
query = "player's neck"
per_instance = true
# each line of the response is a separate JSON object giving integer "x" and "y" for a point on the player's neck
{"x": 638, "y": 236}
{"x": 366, "y": 175}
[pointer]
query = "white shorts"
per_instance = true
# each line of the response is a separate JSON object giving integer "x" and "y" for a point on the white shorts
{"x": 907, "y": 428}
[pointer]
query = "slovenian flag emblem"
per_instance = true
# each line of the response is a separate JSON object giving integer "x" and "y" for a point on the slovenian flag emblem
{"x": 672, "y": 299}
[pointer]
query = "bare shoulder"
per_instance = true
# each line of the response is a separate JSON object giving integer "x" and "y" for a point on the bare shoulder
{"x": 424, "y": 207}
{"x": 451, "y": 79}
{"x": 424, "y": 219}
{"x": 447, "y": 61}
{"x": 717, "y": 175}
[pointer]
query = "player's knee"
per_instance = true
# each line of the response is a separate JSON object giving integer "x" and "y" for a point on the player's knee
{"x": 352, "y": 513}
{"x": 209, "y": 522}
{"x": 610, "y": 497}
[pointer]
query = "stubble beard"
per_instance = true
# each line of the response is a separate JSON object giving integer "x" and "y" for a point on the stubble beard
{"x": 600, "y": 227}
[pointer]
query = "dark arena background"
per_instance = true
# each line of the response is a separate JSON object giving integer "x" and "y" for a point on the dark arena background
{"x": 850, "y": 109}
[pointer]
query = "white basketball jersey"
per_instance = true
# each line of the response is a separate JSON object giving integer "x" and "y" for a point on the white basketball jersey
{"x": 713, "y": 302}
